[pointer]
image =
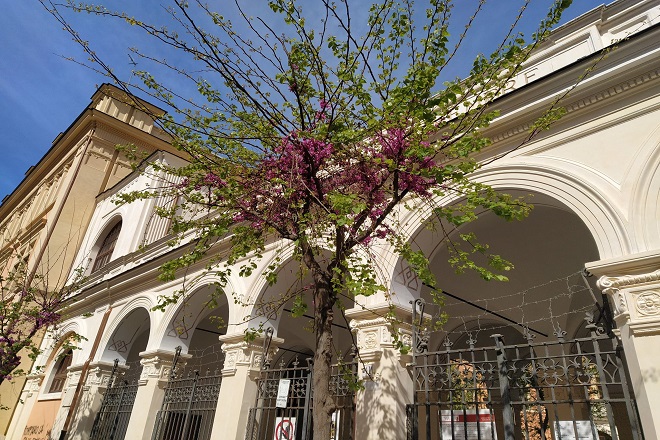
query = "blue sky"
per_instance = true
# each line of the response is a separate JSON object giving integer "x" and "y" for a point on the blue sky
{"x": 41, "y": 93}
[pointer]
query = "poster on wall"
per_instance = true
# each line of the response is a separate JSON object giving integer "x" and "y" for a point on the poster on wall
{"x": 285, "y": 428}
{"x": 468, "y": 424}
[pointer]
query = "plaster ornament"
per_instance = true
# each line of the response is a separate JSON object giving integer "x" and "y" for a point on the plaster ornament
{"x": 648, "y": 303}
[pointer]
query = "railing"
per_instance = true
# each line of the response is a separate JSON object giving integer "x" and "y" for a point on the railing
{"x": 112, "y": 419}
{"x": 191, "y": 397}
{"x": 558, "y": 389}
{"x": 289, "y": 417}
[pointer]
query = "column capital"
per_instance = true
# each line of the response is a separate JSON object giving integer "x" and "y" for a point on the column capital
{"x": 157, "y": 364}
{"x": 240, "y": 353}
{"x": 33, "y": 383}
{"x": 635, "y": 299}
{"x": 98, "y": 374}
{"x": 378, "y": 329}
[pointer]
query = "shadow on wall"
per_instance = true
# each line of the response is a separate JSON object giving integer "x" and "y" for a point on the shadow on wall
{"x": 651, "y": 375}
{"x": 88, "y": 406}
{"x": 384, "y": 400}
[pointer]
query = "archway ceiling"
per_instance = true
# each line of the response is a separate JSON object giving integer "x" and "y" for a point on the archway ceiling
{"x": 545, "y": 248}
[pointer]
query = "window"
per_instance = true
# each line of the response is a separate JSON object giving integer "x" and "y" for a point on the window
{"x": 59, "y": 378}
{"x": 108, "y": 246}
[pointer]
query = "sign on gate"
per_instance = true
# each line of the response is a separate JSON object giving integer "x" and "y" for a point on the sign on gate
{"x": 468, "y": 424}
{"x": 566, "y": 430}
{"x": 282, "y": 393}
{"x": 285, "y": 428}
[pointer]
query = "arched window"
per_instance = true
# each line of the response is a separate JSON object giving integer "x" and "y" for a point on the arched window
{"x": 105, "y": 252}
{"x": 59, "y": 378}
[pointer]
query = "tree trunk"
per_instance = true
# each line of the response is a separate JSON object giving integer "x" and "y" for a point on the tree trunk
{"x": 323, "y": 403}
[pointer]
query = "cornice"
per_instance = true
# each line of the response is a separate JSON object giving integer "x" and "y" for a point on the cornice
{"x": 584, "y": 102}
{"x": 610, "y": 283}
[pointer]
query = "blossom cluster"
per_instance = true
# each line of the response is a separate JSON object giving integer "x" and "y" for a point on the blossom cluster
{"x": 304, "y": 176}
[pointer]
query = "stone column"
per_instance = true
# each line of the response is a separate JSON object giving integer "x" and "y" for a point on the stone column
{"x": 381, "y": 405}
{"x": 98, "y": 378}
{"x": 634, "y": 294}
{"x": 156, "y": 367}
{"x": 238, "y": 393}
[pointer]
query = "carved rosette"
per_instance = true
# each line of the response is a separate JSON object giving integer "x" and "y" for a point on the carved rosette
{"x": 242, "y": 354}
{"x": 648, "y": 303}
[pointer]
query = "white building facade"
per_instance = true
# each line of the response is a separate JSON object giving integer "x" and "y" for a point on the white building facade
{"x": 595, "y": 182}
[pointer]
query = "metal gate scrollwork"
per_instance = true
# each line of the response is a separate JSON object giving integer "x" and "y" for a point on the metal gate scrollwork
{"x": 112, "y": 419}
{"x": 191, "y": 397}
{"x": 551, "y": 390}
{"x": 292, "y": 418}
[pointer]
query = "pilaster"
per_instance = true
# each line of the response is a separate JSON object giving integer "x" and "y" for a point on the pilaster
{"x": 26, "y": 403}
{"x": 156, "y": 368}
{"x": 383, "y": 368}
{"x": 89, "y": 403}
{"x": 632, "y": 285}
{"x": 242, "y": 367}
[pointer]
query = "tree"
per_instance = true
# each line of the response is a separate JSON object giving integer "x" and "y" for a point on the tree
{"x": 320, "y": 140}
{"x": 29, "y": 304}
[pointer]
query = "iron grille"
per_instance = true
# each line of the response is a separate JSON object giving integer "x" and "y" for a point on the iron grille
{"x": 112, "y": 419}
{"x": 191, "y": 397}
{"x": 559, "y": 389}
{"x": 267, "y": 421}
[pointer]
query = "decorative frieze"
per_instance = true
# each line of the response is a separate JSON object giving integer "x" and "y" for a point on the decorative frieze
{"x": 377, "y": 334}
{"x": 240, "y": 353}
{"x": 98, "y": 375}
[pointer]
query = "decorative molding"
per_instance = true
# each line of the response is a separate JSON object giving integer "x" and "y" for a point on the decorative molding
{"x": 605, "y": 283}
{"x": 33, "y": 384}
{"x": 99, "y": 373}
{"x": 374, "y": 336}
{"x": 628, "y": 294}
{"x": 242, "y": 354}
{"x": 358, "y": 324}
{"x": 585, "y": 102}
{"x": 158, "y": 365}
{"x": 648, "y": 303}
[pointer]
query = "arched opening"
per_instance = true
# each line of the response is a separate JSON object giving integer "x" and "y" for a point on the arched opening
{"x": 287, "y": 307}
{"x": 507, "y": 356}
{"x": 194, "y": 383}
{"x": 128, "y": 339}
{"x": 545, "y": 291}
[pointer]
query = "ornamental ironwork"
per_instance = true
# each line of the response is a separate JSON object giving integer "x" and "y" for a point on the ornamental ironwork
{"x": 557, "y": 388}
{"x": 112, "y": 419}
{"x": 191, "y": 397}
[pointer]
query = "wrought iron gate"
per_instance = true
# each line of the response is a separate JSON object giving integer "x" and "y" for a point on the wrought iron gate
{"x": 191, "y": 397}
{"x": 293, "y": 419}
{"x": 557, "y": 389}
{"x": 112, "y": 419}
